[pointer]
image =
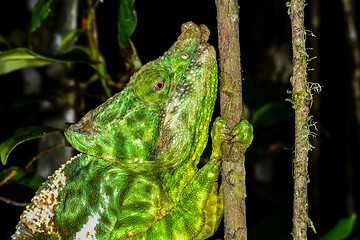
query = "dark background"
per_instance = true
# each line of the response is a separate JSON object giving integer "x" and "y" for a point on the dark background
{"x": 265, "y": 40}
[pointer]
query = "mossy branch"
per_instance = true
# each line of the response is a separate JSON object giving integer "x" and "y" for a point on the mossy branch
{"x": 302, "y": 100}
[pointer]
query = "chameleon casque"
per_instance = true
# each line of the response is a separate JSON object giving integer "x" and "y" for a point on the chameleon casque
{"x": 136, "y": 176}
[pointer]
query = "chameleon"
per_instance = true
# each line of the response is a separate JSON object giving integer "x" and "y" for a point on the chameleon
{"x": 136, "y": 175}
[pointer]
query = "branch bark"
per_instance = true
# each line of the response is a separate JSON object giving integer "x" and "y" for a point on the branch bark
{"x": 301, "y": 99}
{"x": 231, "y": 108}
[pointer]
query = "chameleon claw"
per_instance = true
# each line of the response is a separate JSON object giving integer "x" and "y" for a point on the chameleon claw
{"x": 218, "y": 131}
{"x": 218, "y": 163}
{"x": 243, "y": 133}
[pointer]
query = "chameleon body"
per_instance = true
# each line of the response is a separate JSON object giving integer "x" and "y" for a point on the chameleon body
{"x": 136, "y": 176}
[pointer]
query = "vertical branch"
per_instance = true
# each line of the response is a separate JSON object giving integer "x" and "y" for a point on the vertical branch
{"x": 301, "y": 99}
{"x": 231, "y": 107}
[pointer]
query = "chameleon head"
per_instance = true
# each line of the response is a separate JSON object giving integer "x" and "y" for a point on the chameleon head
{"x": 162, "y": 116}
{"x": 183, "y": 134}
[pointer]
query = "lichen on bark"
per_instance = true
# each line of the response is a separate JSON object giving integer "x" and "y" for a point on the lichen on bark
{"x": 301, "y": 100}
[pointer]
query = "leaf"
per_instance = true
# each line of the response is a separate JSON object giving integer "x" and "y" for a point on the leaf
{"x": 127, "y": 21}
{"x": 22, "y": 135}
{"x": 18, "y": 58}
{"x": 71, "y": 36}
{"x": 270, "y": 114}
{"x": 75, "y": 55}
{"x": 342, "y": 229}
{"x": 31, "y": 180}
{"x": 39, "y": 12}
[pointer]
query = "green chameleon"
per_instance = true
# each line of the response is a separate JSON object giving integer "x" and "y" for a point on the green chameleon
{"x": 136, "y": 176}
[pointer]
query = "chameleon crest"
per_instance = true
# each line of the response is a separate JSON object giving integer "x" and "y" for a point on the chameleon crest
{"x": 136, "y": 176}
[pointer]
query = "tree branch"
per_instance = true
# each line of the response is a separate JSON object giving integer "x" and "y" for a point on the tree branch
{"x": 301, "y": 99}
{"x": 231, "y": 108}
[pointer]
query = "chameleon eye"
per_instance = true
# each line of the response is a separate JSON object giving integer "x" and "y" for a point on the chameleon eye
{"x": 158, "y": 86}
{"x": 152, "y": 85}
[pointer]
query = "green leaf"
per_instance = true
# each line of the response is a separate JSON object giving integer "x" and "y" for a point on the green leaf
{"x": 127, "y": 21}
{"x": 342, "y": 229}
{"x": 71, "y": 36}
{"x": 31, "y": 180}
{"x": 75, "y": 55}
{"x": 22, "y": 135}
{"x": 39, "y": 12}
{"x": 18, "y": 58}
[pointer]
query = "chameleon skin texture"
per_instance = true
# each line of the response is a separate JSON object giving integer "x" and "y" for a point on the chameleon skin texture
{"x": 136, "y": 176}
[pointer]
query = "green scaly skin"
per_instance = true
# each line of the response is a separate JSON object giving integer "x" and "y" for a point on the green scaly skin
{"x": 136, "y": 176}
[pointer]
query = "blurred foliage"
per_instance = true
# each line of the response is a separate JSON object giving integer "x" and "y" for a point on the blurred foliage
{"x": 342, "y": 230}
{"x": 22, "y": 135}
{"x": 127, "y": 21}
{"x": 22, "y": 177}
{"x": 19, "y": 58}
{"x": 40, "y": 11}
{"x": 13, "y": 59}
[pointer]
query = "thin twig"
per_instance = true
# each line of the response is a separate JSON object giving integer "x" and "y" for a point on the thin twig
{"x": 92, "y": 35}
{"x": 8, "y": 177}
{"x": 14, "y": 172}
{"x": 36, "y": 157}
{"x": 12, "y": 202}
{"x": 93, "y": 29}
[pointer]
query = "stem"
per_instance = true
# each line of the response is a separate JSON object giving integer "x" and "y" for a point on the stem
{"x": 93, "y": 38}
{"x": 8, "y": 177}
{"x": 37, "y": 156}
{"x": 301, "y": 98}
{"x": 12, "y": 202}
{"x": 92, "y": 35}
{"x": 231, "y": 108}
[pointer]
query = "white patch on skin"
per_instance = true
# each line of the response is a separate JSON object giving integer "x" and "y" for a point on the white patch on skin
{"x": 184, "y": 56}
{"x": 137, "y": 141}
{"x": 88, "y": 229}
